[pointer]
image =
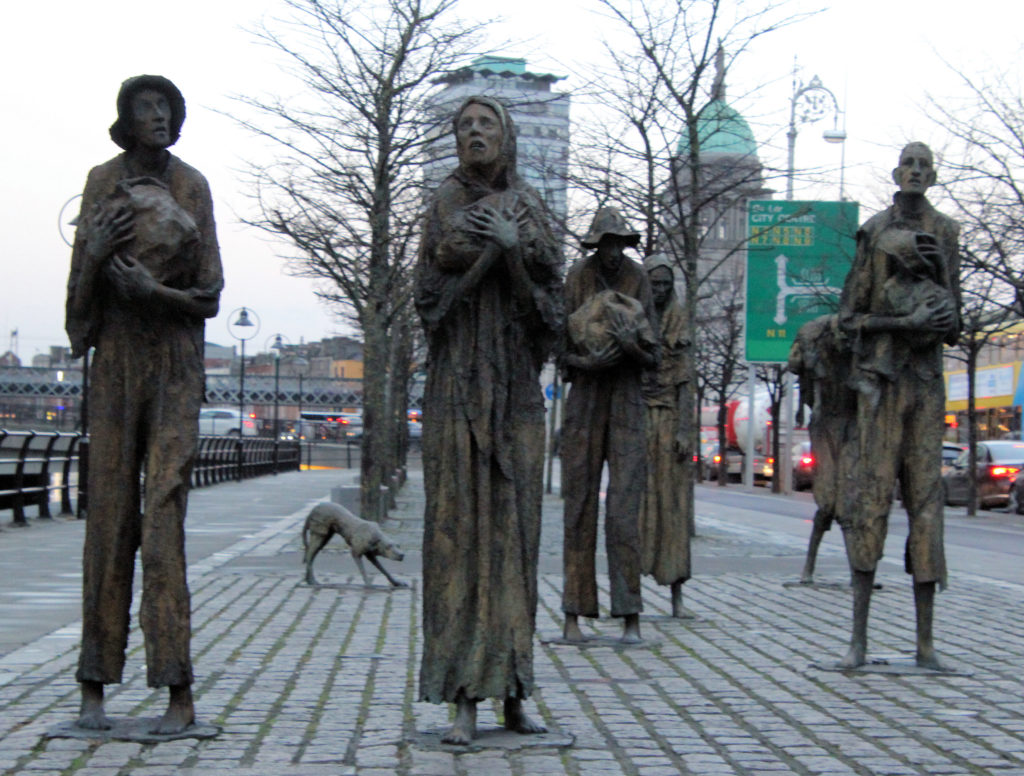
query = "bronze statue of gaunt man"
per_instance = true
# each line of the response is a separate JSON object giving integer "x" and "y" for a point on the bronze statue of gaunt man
{"x": 666, "y": 510}
{"x": 899, "y": 304}
{"x": 489, "y": 292}
{"x": 821, "y": 362}
{"x": 145, "y": 273}
{"x": 610, "y": 342}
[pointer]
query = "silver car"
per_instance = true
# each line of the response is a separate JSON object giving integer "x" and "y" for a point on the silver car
{"x": 222, "y": 421}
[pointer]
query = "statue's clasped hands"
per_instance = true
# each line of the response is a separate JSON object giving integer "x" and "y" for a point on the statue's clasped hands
{"x": 502, "y": 227}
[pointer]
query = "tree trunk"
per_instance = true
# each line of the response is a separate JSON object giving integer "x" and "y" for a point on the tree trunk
{"x": 375, "y": 428}
{"x": 972, "y": 432}
{"x": 776, "y": 451}
{"x": 723, "y": 442}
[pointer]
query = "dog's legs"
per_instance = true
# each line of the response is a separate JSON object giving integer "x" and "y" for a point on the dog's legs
{"x": 394, "y": 582}
{"x": 316, "y": 543}
{"x": 362, "y": 569}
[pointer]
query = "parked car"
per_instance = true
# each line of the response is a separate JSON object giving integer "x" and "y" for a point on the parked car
{"x": 351, "y": 425}
{"x": 803, "y": 466}
{"x": 999, "y": 464}
{"x": 950, "y": 452}
{"x": 222, "y": 421}
{"x": 708, "y": 460}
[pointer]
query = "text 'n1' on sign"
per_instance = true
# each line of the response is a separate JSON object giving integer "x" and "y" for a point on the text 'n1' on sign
{"x": 798, "y": 255}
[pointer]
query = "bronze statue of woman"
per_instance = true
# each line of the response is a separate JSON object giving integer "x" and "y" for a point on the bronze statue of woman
{"x": 489, "y": 291}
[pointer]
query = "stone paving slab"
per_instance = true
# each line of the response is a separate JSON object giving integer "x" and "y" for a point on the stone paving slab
{"x": 308, "y": 681}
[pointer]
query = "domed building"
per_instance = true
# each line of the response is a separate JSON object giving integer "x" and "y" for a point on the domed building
{"x": 729, "y": 175}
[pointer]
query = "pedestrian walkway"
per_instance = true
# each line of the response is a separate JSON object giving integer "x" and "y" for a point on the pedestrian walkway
{"x": 309, "y": 681}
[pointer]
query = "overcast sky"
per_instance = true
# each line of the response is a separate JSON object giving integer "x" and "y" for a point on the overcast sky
{"x": 64, "y": 60}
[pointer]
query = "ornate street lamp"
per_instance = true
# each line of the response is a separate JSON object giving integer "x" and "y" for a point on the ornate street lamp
{"x": 810, "y": 102}
{"x": 277, "y": 347}
{"x": 242, "y": 328}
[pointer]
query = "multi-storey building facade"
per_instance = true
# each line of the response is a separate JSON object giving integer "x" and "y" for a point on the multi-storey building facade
{"x": 540, "y": 114}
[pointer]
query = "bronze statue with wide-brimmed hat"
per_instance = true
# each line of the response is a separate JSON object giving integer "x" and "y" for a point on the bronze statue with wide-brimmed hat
{"x": 145, "y": 274}
{"x": 609, "y": 342}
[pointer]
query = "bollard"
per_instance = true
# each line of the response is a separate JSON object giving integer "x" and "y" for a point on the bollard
{"x": 382, "y": 503}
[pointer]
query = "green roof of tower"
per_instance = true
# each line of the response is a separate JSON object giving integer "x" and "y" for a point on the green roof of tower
{"x": 721, "y": 130}
{"x": 499, "y": 64}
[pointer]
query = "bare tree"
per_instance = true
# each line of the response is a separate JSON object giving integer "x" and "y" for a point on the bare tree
{"x": 662, "y": 100}
{"x": 987, "y": 310}
{"x": 982, "y": 177}
{"x": 344, "y": 188}
{"x": 719, "y": 348}
{"x": 982, "y": 171}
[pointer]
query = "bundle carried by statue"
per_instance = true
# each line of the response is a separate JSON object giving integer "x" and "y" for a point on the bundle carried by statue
{"x": 590, "y": 326}
{"x": 163, "y": 230}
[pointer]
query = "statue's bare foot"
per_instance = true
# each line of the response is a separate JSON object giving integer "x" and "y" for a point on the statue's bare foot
{"x": 631, "y": 629}
{"x": 572, "y": 630}
{"x": 91, "y": 715}
{"x": 517, "y": 721}
{"x": 928, "y": 659}
{"x": 464, "y": 729}
{"x": 180, "y": 712}
{"x": 855, "y": 657}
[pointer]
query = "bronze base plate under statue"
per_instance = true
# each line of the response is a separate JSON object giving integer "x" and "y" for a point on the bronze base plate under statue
{"x": 615, "y": 642}
{"x": 686, "y": 615}
{"x": 491, "y": 738}
{"x": 895, "y": 665}
{"x": 355, "y": 587}
{"x": 826, "y": 585}
{"x": 137, "y": 729}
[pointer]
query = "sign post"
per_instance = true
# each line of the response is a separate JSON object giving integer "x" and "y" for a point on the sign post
{"x": 798, "y": 255}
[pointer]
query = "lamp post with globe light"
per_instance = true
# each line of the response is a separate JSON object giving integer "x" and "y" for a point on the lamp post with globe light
{"x": 242, "y": 328}
{"x": 277, "y": 347}
{"x": 810, "y": 103}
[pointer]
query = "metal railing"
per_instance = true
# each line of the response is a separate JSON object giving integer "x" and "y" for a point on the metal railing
{"x": 222, "y": 458}
{"x": 37, "y": 467}
{"x": 34, "y": 465}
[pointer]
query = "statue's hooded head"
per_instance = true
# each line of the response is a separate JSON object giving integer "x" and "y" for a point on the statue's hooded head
{"x": 477, "y": 141}
{"x": 121, "y": 130}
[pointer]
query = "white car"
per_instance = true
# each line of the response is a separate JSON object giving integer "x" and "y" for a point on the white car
{"x": 221, "y": 421}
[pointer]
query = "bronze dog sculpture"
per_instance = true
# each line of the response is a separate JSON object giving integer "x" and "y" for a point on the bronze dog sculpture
{"x": 364, "y": 538}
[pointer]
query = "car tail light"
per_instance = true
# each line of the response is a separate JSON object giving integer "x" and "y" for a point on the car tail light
{"x": 717, "y": 459}
{"x": 248, "y": 423}
{"x": 344, "y": 421}
{"x": 807, "y": 460}
{"x": 1003, "y": 471}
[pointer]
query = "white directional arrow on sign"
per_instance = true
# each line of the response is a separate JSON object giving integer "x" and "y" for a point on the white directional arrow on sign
{"x": 799, "y": 289}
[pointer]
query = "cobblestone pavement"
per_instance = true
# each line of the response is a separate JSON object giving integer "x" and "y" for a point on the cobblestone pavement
{"x": 309, "y": 681}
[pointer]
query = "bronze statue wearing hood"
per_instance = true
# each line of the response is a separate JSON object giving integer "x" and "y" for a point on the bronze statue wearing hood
{"x": 489, "y": 291}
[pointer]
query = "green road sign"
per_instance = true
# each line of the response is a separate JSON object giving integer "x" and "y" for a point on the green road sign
{"x": 798, "y": 255}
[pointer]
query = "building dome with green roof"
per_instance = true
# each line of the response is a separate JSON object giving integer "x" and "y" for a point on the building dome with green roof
{"x": 721, "y": 130}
